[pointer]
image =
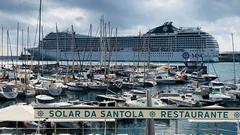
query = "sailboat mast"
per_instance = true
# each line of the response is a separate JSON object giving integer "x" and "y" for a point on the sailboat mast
{"x": 27, "y": 44}
{"x": 101, "y": 39}
{"x": 105, "y": 47}
{"x": 7, "y": 47}
{"x": 17, "y": 36}
{"x": 138, "y": 50}
{"x": 116, "y": 46}
{"x": 144, "y": 61}
{"x": 10, "y": 49}
{"x": 234, "y": 68}
{"x": 148, "y": 61}
{"x": 22, "y": 44}
{"x": 90, "y": 33}
{"x": 22, "y": 50}
{"x": 39, "y": 30}
{"x": 109, "y": 46}
{"x": 73, "y": 47}
{"x": 42, "y": 44}
{"x": 2, "y": 45}
{"x": 57, "y": 44}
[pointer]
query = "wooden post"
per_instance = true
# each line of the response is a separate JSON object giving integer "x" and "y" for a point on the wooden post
{"x": 115, "y": 126}
{"x": 55, "y": 128}
{"x": 82, "y": 128}
{"x": 16, "y": 127}
{"x": 176, "y": 128}
{"x": 149, "y": 122}
{"x": 105, "y": 127}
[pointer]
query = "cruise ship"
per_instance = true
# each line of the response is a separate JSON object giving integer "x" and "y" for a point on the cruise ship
{"x": 165, "y": 43}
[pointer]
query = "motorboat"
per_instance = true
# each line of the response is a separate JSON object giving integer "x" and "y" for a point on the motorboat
{"x": 48, "y": 101}
{"x": 218, "y": 93}
{"x": 198, "y": 76}
{"x": 235, "y": 92}
{"x": 210, "y": 95}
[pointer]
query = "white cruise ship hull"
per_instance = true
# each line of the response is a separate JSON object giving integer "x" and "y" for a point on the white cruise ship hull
{"x": 126, "y": 55}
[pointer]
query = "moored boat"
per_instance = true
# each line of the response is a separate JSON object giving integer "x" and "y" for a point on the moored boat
{"x": 8, "y": 91}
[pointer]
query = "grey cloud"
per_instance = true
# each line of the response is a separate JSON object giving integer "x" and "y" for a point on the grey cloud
{"x": 212, "y": 10}
{"x": 124, "y": 14}
{"x": 127, "y": 13}
{"x": 19, "y": 7}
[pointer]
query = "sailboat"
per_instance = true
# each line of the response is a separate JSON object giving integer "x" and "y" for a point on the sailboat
{"x": 49, "y": 86}
{"x": 8, "y": 89}
{"x": 146, "y": 81}
{"x": 235, "y": 86}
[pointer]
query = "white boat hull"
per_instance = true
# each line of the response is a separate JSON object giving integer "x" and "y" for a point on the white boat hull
{"x": 8, "y": 95}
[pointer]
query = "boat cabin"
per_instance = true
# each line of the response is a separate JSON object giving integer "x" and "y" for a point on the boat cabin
{"x": 217, "y": 90}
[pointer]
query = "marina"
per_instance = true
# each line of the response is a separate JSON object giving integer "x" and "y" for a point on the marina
{"x": 173, "y": 76}
{"x": 163, "y": 95}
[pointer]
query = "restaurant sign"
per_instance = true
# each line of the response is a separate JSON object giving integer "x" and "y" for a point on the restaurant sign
{"x": 137, "y": 113}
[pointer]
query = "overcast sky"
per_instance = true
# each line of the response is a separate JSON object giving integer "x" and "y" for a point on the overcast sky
{"x": 217, "y": 17}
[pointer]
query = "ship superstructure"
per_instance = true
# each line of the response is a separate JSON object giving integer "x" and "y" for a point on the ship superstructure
{"x": 163, "y": 43}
